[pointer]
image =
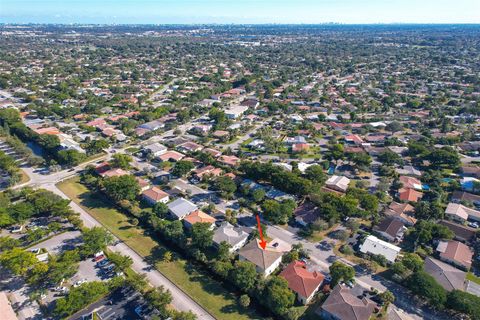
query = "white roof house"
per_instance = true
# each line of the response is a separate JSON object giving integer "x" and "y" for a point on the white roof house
{"x": 338, "y": 183}
{"x": 180, "y": 208}
{"x": 461, "y": 213}
{"x": 235, "y": 112}
{"x": 373, "y": 245}
{"x": 234, "y": 236}
{"x": 156, "y": 149}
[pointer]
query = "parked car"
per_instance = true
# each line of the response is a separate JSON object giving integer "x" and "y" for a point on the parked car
{"x": 103, "y": 263}
{"x": 99, "y": 258}
{"x": 16, "y": 229}
{"x": 473, "y": 225}
{"x": 79, "y": 283}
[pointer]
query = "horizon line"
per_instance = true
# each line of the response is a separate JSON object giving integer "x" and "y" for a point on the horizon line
{"x": 236, "y": 23}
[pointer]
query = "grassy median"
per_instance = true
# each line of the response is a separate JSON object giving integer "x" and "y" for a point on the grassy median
{"x": 209, "y": 293}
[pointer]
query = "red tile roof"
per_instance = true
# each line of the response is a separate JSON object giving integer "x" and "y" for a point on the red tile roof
{"x": 155, "y": 194}
{"x": 407, "y": 194}
{"x": 301, "y": 280}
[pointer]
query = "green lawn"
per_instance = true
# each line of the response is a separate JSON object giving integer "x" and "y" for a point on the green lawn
{"x": 203, "y": 289}
{"x": 473, "y": 278}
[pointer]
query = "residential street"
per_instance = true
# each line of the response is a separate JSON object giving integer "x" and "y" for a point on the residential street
{"x": 324, "y": 258}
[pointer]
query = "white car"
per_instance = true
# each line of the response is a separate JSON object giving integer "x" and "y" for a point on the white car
{"x": 79, "y": 282}
{"x": 473, "y": 225}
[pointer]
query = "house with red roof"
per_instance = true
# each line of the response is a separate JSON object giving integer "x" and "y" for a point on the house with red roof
{"x": 198, "y": 216}
{"x": 303, "y": 282}
{"x": 456, "y": 253}
{"x": 300, "y": 147}
{"x": 117, "y": 172}
{"x": 154, "y": 195}
{"x": 229, "y": 160}
{"x": 408, "y": 194}
{"x": 353, "y": 139}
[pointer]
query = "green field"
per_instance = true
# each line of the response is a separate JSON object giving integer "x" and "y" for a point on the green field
{"x": 209, "y": 293}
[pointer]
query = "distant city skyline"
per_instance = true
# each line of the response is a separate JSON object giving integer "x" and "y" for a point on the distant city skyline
{"x": 239, "y": 11}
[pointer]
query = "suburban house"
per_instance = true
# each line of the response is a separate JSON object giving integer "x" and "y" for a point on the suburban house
{"x": 189, "y": 146}
{"x": 206, "y": 171}
{"x": 143, "y": 184}
{"x": 409, "y": 171}
{"x": 391, "y": 229}
{"x": 450, "y": 278}
{"x": 410, "y": 182}
{"x": 338, "y": 183}
{"x": 471, "y": 171}
{"x": 306, "y": 213}
{"x": 198, "y": 216}
{"x": 6, "y": 309}
{"x": 180, "y": 208}
{"x": 154, "y": 195}
{"x": 373, "y": 245}
{"x": 155, "y": 149}
{"x": 171, "y": 156}
{"x": 458, "y": 196}
{"x": 402, "y": 211}
{"x": 303, "y": 282}
{"x": 354, "y": 139}
{"x": 265, "y": 260}
{"x": 231, "y": 161}
{"x": 409, "y": 194}
{"x": 235, "y": 112}
{"x": 117, "y": 172}
{"x": 462, "y": 232}
{"x": 456, "y": 253}
{"x": 234, "y": 236}
{"x": 460, "y": 213}
{"x": 343, "y": 304}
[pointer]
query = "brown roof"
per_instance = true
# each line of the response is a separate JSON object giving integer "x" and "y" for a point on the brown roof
{"x": 462, "y": 195}
{"x": 390, "y": 226}
{"x": 301, "y": 280}
{"x": 307, "y": 212}
{"x": 258, "y": 256}
{"x": 462, "y": 233}
{"x": 345, "y": 306}
{"x": 114, "y": 173}
{"x": 173, "y": 155}
{"x": 448, "y": 277}
{"x": 403, "y": 211}
{"x": 155, "y": 193}
{"x": 229, "y": 160}
{"x": 459, "y": 253}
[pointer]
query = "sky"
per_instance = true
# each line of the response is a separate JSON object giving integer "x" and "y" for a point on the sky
{"x": 239, "y": 11}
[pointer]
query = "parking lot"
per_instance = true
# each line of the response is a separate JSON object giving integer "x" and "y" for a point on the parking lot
{"x": 121, "y": 304}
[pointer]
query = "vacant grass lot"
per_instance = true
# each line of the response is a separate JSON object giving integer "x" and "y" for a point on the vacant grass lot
{"x": 209, "y": 293}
